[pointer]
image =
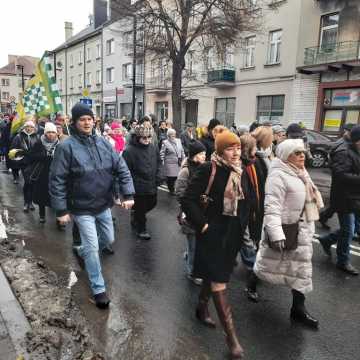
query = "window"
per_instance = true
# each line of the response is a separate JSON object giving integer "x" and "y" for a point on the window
{"x": 5, "y": 82}
{"x": 329, "y": 31}
{"x": 80, "y": 57}
{"x": 127, "y": 72}
{"x": 88, "y": 79}
{"x": 71, "y": 60}
{"x": 71, "y": 82}
{"x": 80, "y": 80}
{"x": 5, "y": 95}
{"x": 88, "y": 54}
{"x": 98, "y": 76}
{"x": 110, "y": 73}
{"x": 229, "y": 57}
{"x": 249, "y": 55}
{"x": 225, "y": 110}
{"x": 162, "y": 110}
{"x": 98, "y": 51}
{"x": 110, "y": 46}
{"x": 210, "y": 58}
{"x": 190, "y": 63}
{"x": 274, "y": 47}
{"x": 270, "y": 108}
{"x": 153, "y": 65}
{"x": 128, "y": 38}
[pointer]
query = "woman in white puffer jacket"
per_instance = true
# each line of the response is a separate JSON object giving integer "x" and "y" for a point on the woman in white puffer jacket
{"x": 290, "y": 198}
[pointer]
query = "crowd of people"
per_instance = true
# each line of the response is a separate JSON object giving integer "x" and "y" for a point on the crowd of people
{"x": 242, "y": 191}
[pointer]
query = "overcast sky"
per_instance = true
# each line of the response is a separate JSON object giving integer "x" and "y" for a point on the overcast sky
{"x": 28, "y": 27}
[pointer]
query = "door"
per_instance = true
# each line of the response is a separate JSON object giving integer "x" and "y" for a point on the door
{"x": 191, "y": 111}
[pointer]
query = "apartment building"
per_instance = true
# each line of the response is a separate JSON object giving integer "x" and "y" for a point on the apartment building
{"x": 118, "y": 69}
{"x": 330, "y": 37}
{"x": 256, "y": 79}
{"x": 12, "y": 77}
{"x": 78, "y": 64}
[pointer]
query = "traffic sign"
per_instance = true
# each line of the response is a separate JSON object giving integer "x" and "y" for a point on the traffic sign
{"x": 86, "y": 92}
{"x": 86, "y": 101}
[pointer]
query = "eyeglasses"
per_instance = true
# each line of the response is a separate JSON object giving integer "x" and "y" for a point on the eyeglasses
{"x": 146, "y": 137}
{"x": 299, "y": 152}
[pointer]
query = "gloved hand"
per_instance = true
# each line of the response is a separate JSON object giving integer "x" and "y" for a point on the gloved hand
{"x": 16, "y": 154}
{"x": 278, "y": 245}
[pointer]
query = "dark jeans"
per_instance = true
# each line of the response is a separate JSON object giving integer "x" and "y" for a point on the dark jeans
{"x": 15, "y": 173}
{"x": 342, "y": 237}
{"x": 143, "y": 204}
{"x": 42, "y": 211}
{"x": 28, "y": 192}
{"x": 170, "y": 180}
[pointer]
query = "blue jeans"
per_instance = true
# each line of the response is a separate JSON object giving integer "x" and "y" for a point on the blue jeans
{"x": 190, "y": 253}
{"x": 96, "y": 232}
{"x": 342, "y": 237}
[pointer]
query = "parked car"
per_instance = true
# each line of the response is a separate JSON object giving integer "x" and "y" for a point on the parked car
{"x": 320, "y": 146}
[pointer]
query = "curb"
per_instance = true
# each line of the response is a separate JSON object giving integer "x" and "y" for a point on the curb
{"x": 15, "y": 321}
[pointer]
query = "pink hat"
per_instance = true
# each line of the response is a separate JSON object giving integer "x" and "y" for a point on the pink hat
{"x": 115, "y": 125}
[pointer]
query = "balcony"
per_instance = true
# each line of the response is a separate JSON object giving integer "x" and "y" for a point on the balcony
{"x": 158, "y": 85}
{"x": 221, "y": 77}
{"x": 331, "y": 57}
{"x": 139, "y": 81}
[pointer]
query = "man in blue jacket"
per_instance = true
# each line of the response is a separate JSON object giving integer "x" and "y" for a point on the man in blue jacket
{"x": 81, "y": 184}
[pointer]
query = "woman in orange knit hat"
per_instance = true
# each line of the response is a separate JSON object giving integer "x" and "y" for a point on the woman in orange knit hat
{"x": 219, "y": 226}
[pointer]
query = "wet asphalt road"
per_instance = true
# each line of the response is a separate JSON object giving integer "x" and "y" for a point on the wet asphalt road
{"x": 152, "y": 311}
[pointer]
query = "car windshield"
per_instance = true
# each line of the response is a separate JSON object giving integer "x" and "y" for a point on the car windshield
{"x": 313, "y": 136}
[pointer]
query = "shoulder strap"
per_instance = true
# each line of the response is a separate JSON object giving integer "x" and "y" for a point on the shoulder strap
{"x": 211, "y": 179}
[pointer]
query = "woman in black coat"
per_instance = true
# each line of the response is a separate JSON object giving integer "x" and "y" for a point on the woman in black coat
{"x": 219, "y": 228}
{"x": 38, "y": 161}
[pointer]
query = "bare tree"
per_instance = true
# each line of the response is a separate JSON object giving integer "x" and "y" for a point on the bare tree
{"x": 172, "y": 27}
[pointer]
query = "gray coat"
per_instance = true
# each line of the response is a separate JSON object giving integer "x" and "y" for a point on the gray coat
{"x": 172, "y": 154}
{"x": 284, "y": 202}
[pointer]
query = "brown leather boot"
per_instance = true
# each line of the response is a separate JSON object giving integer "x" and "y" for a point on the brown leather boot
{"x": 224, "y": 312}
{"x": 202, "y": 310}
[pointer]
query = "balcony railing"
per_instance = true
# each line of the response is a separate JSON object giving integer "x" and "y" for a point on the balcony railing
{"x": 159, "y": 83}
{"x": 329, "y": 53}
{"x": 139, "y": 81}
{"x": 221, "y": 75}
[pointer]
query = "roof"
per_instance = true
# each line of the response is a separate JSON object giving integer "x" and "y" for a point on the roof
{"x": 84, "y": 34}
{"x": 28, "y": 62}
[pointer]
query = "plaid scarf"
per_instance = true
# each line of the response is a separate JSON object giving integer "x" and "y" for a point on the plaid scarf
{"x": 233, "y": 190}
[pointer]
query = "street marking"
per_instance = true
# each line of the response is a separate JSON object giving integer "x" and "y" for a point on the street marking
{"x": 334, "y": 247}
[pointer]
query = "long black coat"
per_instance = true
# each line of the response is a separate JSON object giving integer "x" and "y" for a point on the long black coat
{"x": 345, "y": 190}
{"x": 209, "y": 143}
{"x": 24, "y": 142}
{"x": 38, "y": 167}
{"x": 217, "y": 248}
{"x": 144, "y": 164}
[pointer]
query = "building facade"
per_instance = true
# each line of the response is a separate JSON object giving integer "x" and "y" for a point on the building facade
{"x": 330, "y": 39}
{"x": 118, "y": 70}
{"x": 13, "y": 77}
{"x": 78, "y": 65}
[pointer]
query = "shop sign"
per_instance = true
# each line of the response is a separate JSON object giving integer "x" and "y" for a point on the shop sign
{"x": 332, "y": 123}
{"x": 345, "y": 97}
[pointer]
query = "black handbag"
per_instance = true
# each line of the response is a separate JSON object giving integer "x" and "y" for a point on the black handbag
{"x": 291, "y": 232}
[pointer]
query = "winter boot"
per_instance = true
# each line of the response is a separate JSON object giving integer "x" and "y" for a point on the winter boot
{"x": 224, "y": 312}
{"x": 299, "y": 313}
{"x": 26, "y": 208}
{"x": 101, "y": 300}
{"x": 202, "y": 310}
{"x": 251, "y": 284}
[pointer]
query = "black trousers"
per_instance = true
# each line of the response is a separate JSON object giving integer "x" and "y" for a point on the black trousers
{"x": 143, "y": 204}
{"x": 42, "y": 211}
{"x": 170, "y": 180}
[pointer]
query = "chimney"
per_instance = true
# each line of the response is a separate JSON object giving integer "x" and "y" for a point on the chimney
{"x": 68, "y": 30}
{"x": 100, "y": 12}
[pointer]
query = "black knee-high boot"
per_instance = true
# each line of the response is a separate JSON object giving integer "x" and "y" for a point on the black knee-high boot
{"x": 299, "y": 313}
